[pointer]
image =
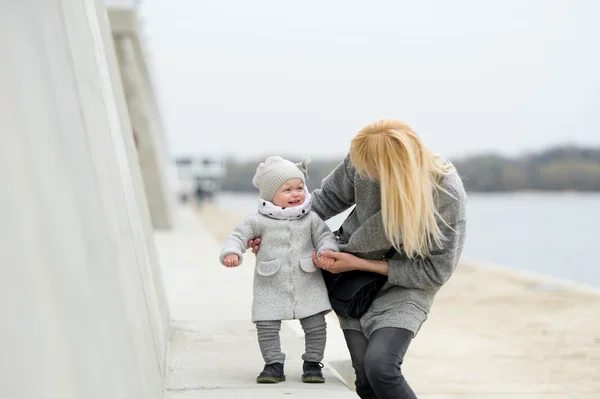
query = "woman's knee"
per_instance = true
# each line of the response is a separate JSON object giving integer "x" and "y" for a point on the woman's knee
{"x": 382, "y": 368}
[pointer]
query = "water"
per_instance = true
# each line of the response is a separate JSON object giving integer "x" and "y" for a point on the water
{"x": 552, "y": 234}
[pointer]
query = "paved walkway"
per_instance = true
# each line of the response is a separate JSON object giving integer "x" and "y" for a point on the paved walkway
{"x": 213, "y": 351}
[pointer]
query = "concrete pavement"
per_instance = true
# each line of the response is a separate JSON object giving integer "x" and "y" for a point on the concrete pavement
{"x": 213, "y": 350}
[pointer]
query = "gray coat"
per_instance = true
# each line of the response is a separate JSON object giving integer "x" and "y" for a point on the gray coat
{"x": 412, "y": 284}
{"x": 287, "y": 285}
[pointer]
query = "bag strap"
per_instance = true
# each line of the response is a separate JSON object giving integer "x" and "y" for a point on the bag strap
{"x": 339, "y": 231}
{"x": 389, "y": 254}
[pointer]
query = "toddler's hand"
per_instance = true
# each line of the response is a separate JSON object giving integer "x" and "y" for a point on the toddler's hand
{"x": 231, "y": 260}
{"x": 327, "y": 262}
{"x": 323, "y": 262}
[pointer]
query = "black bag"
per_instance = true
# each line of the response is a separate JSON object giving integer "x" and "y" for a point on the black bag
{"x": 351, "y": 293}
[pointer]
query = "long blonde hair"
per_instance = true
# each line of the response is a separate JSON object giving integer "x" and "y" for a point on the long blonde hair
{"x": 409, "y": 175}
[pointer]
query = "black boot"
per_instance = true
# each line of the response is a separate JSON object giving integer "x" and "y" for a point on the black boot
{"x": 271, "y": 374}
{"x": 312, "y": 373}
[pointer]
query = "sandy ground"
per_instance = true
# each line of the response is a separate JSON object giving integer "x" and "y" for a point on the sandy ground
{"x": 492, "y": 333}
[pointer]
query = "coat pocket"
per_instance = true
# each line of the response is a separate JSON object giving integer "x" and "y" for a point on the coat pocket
{"x": 268, "y": 268}
{"x": 308, "y": 265}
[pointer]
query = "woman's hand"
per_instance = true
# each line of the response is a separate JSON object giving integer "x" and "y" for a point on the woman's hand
{"x": 255, "y": 245}
{"x": 336, "y": 262}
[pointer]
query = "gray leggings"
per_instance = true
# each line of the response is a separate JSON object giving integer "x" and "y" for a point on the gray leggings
{"x": 315, "y": 336}
{"x": 377, "y": 363}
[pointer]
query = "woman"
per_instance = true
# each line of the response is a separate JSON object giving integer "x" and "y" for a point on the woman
{"x": 408, "y": 198}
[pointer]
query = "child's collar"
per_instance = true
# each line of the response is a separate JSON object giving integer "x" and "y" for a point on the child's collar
{"x": 273, "y": 211}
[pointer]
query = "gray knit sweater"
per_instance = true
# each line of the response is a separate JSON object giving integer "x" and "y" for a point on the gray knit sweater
{"x": 412, "y": 284}
{"x": 287, "y": 285}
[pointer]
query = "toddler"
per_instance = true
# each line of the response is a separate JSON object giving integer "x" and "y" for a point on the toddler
{"x": 287, "y": 285}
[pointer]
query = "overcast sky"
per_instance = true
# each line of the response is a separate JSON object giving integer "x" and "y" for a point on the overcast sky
{"x": 248, "y": 78}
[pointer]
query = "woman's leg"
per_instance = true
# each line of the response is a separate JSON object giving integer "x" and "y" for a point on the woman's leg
{"x": 384, "y": 355}
{"x": 357, "y": 345}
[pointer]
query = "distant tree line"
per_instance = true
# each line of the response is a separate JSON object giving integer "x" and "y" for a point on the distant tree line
{"x": 555, "y": 169}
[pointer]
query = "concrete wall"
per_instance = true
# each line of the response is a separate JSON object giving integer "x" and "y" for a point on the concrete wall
{"x": 141, "y": 183}
{"x": 143, "y": 113}
{"x": 81, "y": 303}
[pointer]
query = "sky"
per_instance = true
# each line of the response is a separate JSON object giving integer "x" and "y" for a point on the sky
{"x": 246, "y": 78}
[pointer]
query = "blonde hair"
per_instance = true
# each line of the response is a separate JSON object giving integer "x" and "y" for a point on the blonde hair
{"x": 409, "y": 175}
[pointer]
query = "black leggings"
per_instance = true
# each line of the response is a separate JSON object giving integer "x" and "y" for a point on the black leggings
{"x": 377, "y": 363}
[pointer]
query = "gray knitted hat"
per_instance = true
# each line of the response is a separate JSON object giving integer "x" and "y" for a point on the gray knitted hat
{"x": 275, "y": 171}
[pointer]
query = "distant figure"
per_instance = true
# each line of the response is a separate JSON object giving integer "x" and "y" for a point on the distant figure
{"x": 287, "y": 284}
{"x": 413, "y": 201}
{"x": 200, "y": 193}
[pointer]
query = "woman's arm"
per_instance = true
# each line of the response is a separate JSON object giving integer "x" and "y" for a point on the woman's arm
{"x": 422, "y": 273}
{"x": 375, "y": 266}
{"x": 337, "y": 191}
{"x": 434, "y": 270}
{"x": 345, "y": 262}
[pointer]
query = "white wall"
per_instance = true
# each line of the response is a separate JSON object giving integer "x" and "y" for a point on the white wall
{"x": 81, "y": 299}
{"x": 146, "y": 123}
{"x": 144, "y": 115}
{"x": 145, "y": 235}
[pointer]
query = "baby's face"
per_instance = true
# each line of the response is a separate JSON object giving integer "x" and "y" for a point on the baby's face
{"x": 291, "y": 193}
